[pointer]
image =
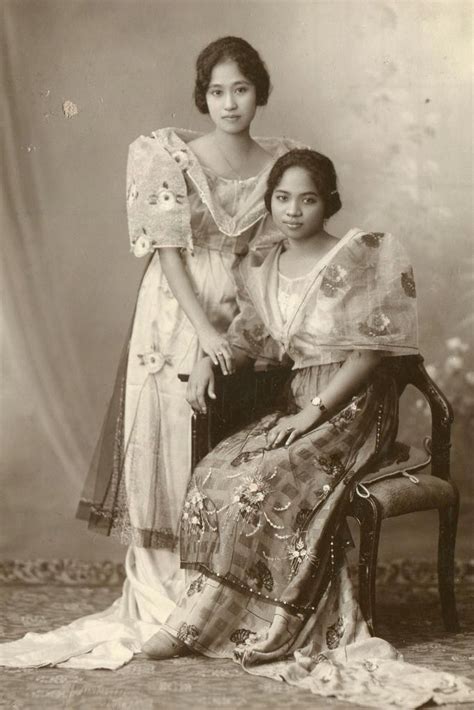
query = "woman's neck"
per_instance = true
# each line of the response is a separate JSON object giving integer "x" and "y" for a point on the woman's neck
{"x": 313, "y": 245}
{"x": 236, "y": 143}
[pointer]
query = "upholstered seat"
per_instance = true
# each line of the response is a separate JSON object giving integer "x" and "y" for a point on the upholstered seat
{"x": 400, "y": 495}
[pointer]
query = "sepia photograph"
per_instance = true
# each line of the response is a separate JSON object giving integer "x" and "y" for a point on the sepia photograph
{"x": 237, "y": 391}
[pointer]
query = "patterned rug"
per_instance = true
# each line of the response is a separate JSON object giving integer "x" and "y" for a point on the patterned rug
{"x": 42, "y": 595}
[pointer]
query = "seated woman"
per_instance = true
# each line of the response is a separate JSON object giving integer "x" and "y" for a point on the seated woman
{"x": 262, "y": 532}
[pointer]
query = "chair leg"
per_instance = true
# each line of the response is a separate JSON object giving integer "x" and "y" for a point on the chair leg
{"x": 370, "y": 522}
{"x": 448, "y": 520}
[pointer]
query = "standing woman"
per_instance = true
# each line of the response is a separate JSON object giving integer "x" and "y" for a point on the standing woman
{"x": 195, "y": 202}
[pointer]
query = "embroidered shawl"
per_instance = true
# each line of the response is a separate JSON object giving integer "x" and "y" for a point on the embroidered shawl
{"x": 360, "y": 296}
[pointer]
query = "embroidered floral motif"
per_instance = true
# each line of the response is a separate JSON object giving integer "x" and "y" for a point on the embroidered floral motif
{"x": 372, "y": 239}
{"x": 375, "y": 325}
{"x": 260, "y": 576}
{"x": 335, "y": 633}
{"x": 142, "y": 245}
{"x": 242, "y": 636}
{"x": 334, "y": 279}
{"x": 249, "y": 496}
{"x": 132, "y": 192}
{"x": 165, "y": 199}
{"x": 182, "y": 158}
{"x": 298, "y": 553}
{"x": 332, "y": 464}
{"x": 188, "y": 633}
{"x": 195, "y": 514}
{"x": 196, "y": 586}
{"x": 408, "y": 283}
{"x": 346, "y": 416}
{"x": 153, "y": 360}
{"x": 246, "y": 456}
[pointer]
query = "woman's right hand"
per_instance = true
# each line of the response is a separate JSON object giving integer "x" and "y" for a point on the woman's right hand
{"x": 216, "y": 346}
{"x": 200, "y": 383}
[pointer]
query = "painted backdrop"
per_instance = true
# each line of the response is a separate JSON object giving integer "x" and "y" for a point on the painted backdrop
{"x": 383, "y": 87}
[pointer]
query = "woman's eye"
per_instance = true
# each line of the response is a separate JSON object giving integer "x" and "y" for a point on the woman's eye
{"x": 241, "y": 89}
{"x": 310, "y": 201}
{"x": 216, "y": 92}
{"x": 280, "y": 198}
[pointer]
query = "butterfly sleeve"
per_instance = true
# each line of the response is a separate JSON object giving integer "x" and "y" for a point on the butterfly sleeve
{"x": 157, "y": 203}
{"x": 370, "y": 295}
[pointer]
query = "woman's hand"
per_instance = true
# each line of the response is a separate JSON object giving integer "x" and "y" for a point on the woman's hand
{"x": 287, "y": 429}
{"x": 200, "y": 384}
{"x": 216, "y": 346}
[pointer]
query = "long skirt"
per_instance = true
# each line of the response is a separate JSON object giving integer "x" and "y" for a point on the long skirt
{"x": 140, "y": 472}
{"x": 262, "y": 538}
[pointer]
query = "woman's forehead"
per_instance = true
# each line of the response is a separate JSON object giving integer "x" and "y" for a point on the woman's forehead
{"x": 227, "y": 72}
{"x": 296, "y": 179}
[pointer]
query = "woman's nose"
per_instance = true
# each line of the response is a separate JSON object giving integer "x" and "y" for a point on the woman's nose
{"x": 230, "y": 101}
{"x": 293, "y": 208}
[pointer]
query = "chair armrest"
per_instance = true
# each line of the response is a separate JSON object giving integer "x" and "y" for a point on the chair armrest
{"x": 441, "y": 415}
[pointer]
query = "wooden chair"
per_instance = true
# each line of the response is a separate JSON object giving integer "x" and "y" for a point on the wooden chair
{"x": 387, "y": 492}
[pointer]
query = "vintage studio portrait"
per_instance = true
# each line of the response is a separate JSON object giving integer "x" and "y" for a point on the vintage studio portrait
{"x": 238, "y": 372}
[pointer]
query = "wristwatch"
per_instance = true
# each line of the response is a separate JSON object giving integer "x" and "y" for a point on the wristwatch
{"x": 318, "y": 402}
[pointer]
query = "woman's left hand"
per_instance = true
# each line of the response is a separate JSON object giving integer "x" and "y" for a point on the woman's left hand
{"x": 287, "y": 429}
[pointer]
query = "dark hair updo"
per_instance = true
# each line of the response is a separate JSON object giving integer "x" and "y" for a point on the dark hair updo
{"x": 246, "y": 57}
{"x": 321, "y": 170}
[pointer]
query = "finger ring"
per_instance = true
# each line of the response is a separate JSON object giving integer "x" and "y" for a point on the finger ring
{"x": 219, "y": 352}
{"x": 290, "y": 428}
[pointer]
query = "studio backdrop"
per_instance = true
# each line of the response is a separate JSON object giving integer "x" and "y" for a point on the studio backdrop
{"x": 382, "y": 87}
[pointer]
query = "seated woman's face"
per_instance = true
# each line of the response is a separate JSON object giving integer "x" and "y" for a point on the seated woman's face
{"x": 297, "y": 208}
{"x": 231, "y": 98}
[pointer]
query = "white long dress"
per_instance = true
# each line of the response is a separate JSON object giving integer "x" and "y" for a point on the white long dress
{"x": 142, "y": 466}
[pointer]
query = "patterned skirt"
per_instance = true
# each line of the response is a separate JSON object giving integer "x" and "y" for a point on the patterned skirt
{"x": 264, "y": 530}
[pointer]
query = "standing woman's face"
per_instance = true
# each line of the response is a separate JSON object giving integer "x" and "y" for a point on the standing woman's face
{"x": 231, "y": 98}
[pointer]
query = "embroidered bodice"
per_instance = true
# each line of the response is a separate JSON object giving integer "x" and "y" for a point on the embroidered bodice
{"x": 173, "y": 201}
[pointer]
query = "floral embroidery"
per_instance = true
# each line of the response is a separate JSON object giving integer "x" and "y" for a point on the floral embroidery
{"x": 188, "y": 633}
{"x": 132, "y": 193}
{"x": 196, "y": 586}
{"x": 165, "y": 198}
{"x": 153, "y": 360}
{"x": 240, "y": 636}
{"x": 332, "y": 464}
{"x": 142, "y": 245}
{"x": 195, "y": 514}
{"x": 408, "y": 283}
{"x": 334, "y": 279}
{"x": 246, "y": 456}
{"x": 250, "y": 495}
{"x": 335, "y": 633}
{"x": 375, "y": 325}
{"x": 372, "y": 239}
{"x": 298, "y": 553}
{"x": 182, "y": 158}
{"x": 260, "y": 576}
{"x": 346, "y": 415}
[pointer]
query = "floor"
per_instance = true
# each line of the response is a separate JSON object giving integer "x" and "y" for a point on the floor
{"x": 38, "y": 599}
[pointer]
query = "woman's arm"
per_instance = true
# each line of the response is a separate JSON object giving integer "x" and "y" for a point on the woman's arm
{"x": 201, "y": 380}
{"x": 347, "y": 381}
{"x": 213, "y": 343}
